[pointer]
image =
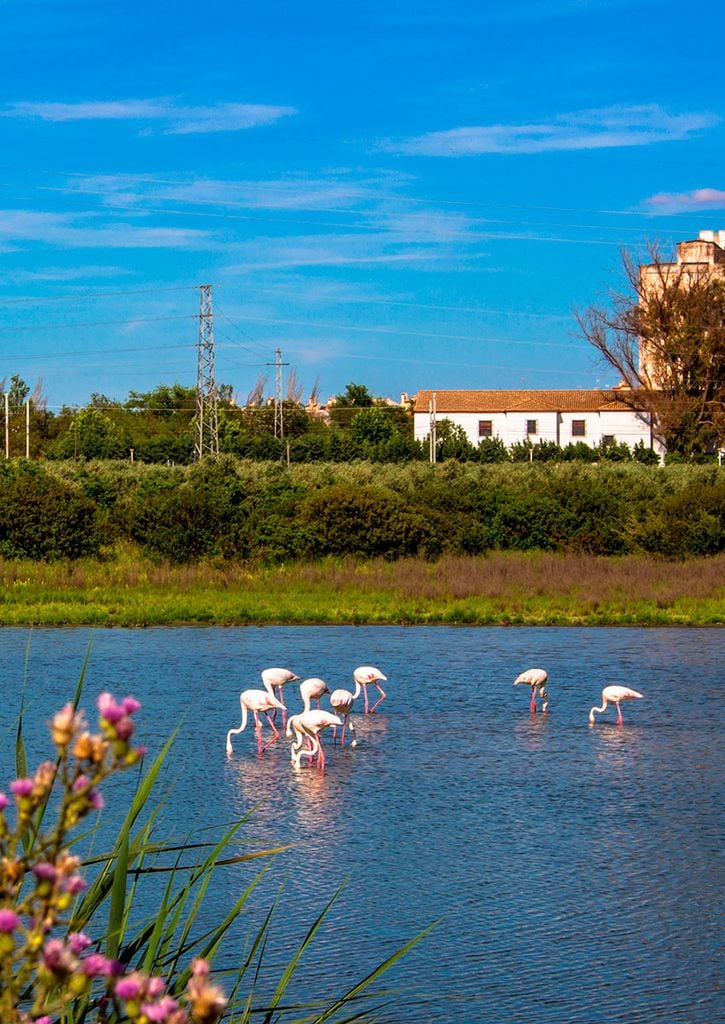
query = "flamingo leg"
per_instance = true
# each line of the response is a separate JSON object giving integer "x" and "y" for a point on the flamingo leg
{"x": 380, "y": 698}
{"x": 365, "y": 695}
{"x": 344, "y": 723}
{"x": 275, "y": 732}
{"x": 620, "y": 719}
{"x": 532, "y": 705}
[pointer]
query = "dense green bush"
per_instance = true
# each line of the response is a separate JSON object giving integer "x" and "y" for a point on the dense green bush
{"x": 344, "y": 520}
{"x": 268, "y": 512}
{"x": 43, "y": 517}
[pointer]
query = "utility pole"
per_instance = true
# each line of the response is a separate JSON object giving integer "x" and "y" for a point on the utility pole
{"x": 207, "y": 424}
{"x": 27, "y": 428}
{"x": 278, "y": 403}
{"x": 432, "y": 438}
{"x": 7, "y": 425}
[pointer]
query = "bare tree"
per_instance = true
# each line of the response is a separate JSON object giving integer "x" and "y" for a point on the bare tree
{"x": 294, "y": 388}
{"x": 256, "y": 395}
{"x": 665, "y": 335}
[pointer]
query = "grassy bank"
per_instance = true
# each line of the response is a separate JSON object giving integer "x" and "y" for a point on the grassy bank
{"x": 498, "y": 589}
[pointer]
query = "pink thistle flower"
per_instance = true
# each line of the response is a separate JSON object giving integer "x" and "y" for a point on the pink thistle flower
{"x": 9, "y": 921}
{"x": 45, "y": 871}
{"x": 108, "y": 708}
{"x": 3, "y": 801}
{"x": 130, "y": 704}
{"x": 129, "y": 987}
{"x": 78, "y": 941}
{"x": 80, "y": 783}
{"x": 95, "y": 800}
{"x": 124, "y": 728}
{"x": 74, "y": 885}
{"x": 57, "y": 957}
{"x": 160, "y": 1012}
{"x": 156, "y": 987}
{"x": 96, "y": 966}
{"x": 21, "y": 787}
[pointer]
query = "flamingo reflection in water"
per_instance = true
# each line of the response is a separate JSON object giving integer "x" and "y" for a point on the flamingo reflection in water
{"x": 535, "y": 678}
{"x": 258, "y": 702}
{"x": 307, "y": 726}
{"x": 614, "y": 695}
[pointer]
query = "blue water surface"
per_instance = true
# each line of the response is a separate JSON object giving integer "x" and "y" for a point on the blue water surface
{"x": 574, "y": 870}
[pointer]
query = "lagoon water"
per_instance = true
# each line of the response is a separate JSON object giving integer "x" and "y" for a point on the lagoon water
{"x": 575, "y": 871}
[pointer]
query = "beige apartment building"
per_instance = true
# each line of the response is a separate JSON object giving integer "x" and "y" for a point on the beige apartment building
{"x": 697, "y": 258}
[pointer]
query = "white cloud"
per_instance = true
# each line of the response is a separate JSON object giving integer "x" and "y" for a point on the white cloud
{"x": 24, "y": 226}
{"x": 607, "y": 127}
{"x": 175, "y": 119}
{"x": 683, "y": 202}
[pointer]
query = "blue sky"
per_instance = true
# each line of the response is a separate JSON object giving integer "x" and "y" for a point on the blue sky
{"x": 400, "y": 194}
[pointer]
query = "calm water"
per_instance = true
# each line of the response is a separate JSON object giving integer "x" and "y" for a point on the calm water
{"x": 576, "y": 870}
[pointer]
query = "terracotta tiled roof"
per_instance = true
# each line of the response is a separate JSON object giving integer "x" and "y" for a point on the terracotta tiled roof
{"x": 520, "y": 401}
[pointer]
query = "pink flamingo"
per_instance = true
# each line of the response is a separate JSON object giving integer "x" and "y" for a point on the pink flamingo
{"x": 258, "y": 702}
{"x": 368, "y": 674}
{"x": 277, "y": 677}
{"x": 536, "y": 679}
{"x": 613, "y": 695}
{"x": 342, "y": 701}
{"x": 307, "y": 726}
{"x": 313, "y": 689}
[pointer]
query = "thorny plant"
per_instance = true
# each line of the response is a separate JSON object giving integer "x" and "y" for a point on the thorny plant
{"x": 45, "y": 967}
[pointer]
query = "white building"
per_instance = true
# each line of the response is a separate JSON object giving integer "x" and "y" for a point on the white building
{"x": 564, "y": 417}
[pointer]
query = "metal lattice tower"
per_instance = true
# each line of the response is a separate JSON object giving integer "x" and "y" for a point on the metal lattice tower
{"x": 278, "y": 403}
{"x": 207, "y": 424}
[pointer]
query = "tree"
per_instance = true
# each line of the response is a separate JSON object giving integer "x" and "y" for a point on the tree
{"x": 355, "y": 395}
{"x": 666, "y": 336}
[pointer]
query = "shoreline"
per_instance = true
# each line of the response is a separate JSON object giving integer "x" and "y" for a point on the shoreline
{"x": 499, "y": 589}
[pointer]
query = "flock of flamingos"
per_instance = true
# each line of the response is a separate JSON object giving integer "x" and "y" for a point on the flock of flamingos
{"x": 304, "y": 729}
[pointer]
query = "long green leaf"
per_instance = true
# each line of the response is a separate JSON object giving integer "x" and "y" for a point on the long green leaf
{"x": 117, "y": 910}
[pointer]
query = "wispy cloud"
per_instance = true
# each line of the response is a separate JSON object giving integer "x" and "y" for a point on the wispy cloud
{"x": 685, "y": 202}
{"x": 604, "y": 128}
{"x": 29, "y": 226}
{"x": 173, "y": 118}
{"x": 64, "y": 274}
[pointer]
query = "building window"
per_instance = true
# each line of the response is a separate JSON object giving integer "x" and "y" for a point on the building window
{"x": 607, "y": 440}
{"x": 578, "y": 428}
{"x": 532, "y": 427}
{"x": 485, "y": 428}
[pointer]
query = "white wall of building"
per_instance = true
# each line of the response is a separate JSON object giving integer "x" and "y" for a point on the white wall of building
{"x": 622, "y": 425}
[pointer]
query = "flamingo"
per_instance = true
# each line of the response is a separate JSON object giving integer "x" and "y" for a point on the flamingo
{"x": 342, "y": 701}
{"x": 535, "y": 677}
{"x": 368, "y": 674}
{"x": 258, "y": 702}
{"x": 313, "y": 689}
{"x": 613, "y": 695}
{"x": 277, "y": 677}
{"x": 308, "y": 725}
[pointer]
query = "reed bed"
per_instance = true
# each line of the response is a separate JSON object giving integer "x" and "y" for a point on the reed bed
{"x": 536, "y": 588}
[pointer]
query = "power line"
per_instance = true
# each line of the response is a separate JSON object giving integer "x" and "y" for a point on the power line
{"x": 97, "y": 323}
{"x": 85, "y": 296}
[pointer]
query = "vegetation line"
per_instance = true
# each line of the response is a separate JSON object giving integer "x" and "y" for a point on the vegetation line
{"x": 501, "y": 588}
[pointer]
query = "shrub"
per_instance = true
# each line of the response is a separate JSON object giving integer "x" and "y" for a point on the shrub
{"x": 344, "y": 520}
{"x": 44, "y": 518}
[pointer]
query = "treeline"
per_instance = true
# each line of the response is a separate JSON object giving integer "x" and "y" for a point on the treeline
{"x": 159, "y": 427}
{"x": 268, "y": 513}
